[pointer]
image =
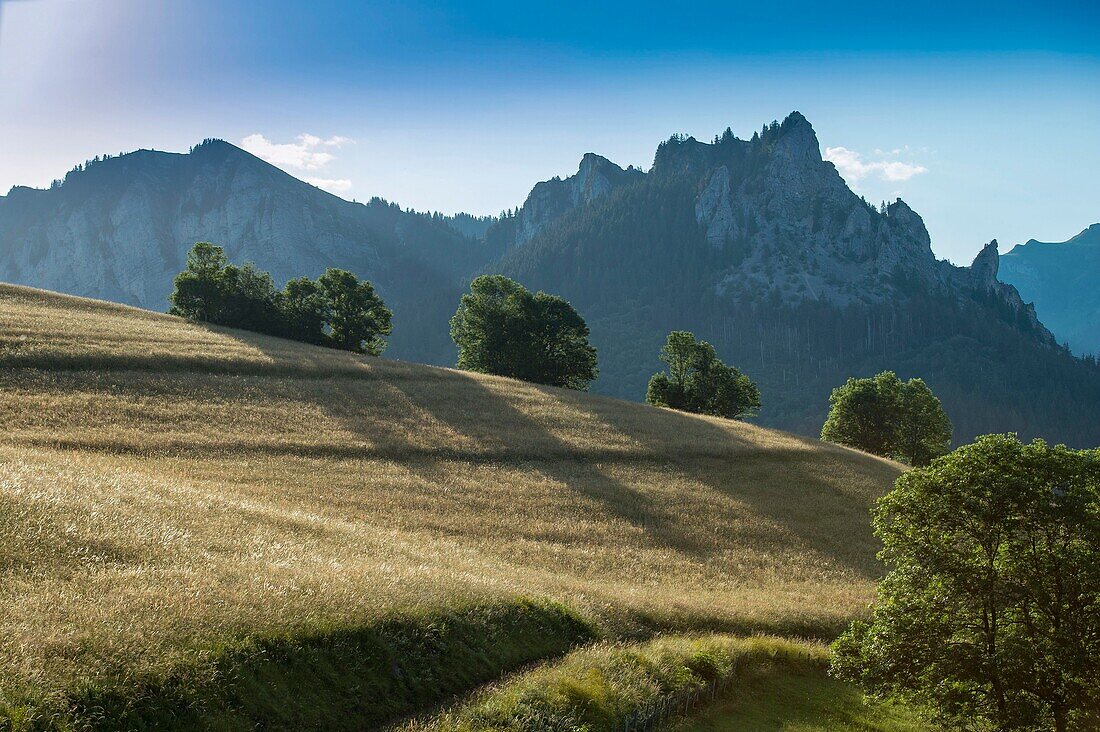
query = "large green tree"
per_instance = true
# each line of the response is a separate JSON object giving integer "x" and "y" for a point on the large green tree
{"x": 357, "y": 318}
{"x": 989, "y": 614}
{"x": 502, "y": 328}
{"x": 698, "y": 381}
{"x": 199, "y": 289}
{"x": 923, "y": 428}
{"x": 886, "y": 416}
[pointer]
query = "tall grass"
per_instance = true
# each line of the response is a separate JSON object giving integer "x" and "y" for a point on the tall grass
{"x": 601, "y": 689}
{"x": 168, "y": 490}
{"x": 333, "y": 679}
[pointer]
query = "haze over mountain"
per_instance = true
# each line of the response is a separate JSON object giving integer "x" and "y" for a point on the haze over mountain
{"x": 1061, "y": 279}
{"x": 119, "y": 229}
{"x": 756, "y": 245}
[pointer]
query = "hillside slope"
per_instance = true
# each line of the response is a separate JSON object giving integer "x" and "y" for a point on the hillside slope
{"x": 169, "y": 491}
{"x": 1060, "y": 278}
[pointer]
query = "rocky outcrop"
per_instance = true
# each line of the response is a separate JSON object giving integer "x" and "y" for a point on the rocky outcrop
{"x": 983, "y": 271}
{"x": 802, "y": 232}
{"x": 981, "y": 277}
{"x": 595, "y": 177}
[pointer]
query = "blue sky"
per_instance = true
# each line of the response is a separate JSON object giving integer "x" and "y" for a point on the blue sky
{"x": 984, "y": 116}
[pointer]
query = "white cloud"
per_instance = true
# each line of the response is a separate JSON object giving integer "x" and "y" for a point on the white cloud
{"x": 852, "y": 167}
{"x": 308, "y": 153}
{"x": 341, "y": 185}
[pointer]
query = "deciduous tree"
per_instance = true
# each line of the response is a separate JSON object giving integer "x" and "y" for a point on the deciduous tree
{"x": 698, "y": 381}
{"x": 989, "y": 614}
{"x": 886, "y": 416}
{"x": 502, "y": 328}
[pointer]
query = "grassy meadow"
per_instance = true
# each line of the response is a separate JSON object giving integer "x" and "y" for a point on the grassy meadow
{"x": 182, "y": 504}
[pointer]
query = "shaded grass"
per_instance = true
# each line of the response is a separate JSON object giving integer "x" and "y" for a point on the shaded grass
{"x": 169, "y": 490}
{"x": 341, "y": 679}
{"x": 599, "y": 688}
{"x": 800, "y": 702}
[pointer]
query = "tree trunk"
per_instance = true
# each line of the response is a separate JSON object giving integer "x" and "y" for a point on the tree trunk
{"x": 1060, "y": 723}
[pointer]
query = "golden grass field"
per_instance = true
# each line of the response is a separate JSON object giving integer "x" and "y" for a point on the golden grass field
{"x": 166, "y": 488}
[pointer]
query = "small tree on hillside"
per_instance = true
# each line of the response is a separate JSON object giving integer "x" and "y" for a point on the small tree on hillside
{"x": 198, "y": 292}
{"x": 502, "y": 328}
{"x": 885, "y": 416}
{"x": 697, "y": 381}
{"x": 989, "y": 614}
{"x": 357, "y": 318}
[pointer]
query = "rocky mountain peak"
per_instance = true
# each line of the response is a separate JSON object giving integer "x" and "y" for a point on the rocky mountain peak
{"x": 596, "y": 176}
{"x": 984, "y": 268}
{"x": 797, "y": 139}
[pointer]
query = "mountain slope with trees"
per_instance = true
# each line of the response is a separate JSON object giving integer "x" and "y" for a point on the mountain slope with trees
{"x": 759, "y": 248}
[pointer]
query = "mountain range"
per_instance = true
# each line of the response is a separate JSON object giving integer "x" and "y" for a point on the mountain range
{"x": 756, "y": 245}
{"x": 1061, "y": 279}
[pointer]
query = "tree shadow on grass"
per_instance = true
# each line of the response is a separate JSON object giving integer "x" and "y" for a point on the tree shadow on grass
{"x": 793, "y": 484}
{"x": 505, "y": 435}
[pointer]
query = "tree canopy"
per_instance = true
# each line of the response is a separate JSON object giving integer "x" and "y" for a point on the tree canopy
{"x": 886, "y": 416}
{"x": 989, "y": 614}
{"x": 502, "y": 328}
{"x": 698, "y": 381}
{"x": 337, "y": 309}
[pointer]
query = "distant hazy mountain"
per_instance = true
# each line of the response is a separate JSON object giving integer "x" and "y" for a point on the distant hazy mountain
{"x": 756, "y": 245}
{"x": 119, "y": 229}
{"x": 1063, "y": 280}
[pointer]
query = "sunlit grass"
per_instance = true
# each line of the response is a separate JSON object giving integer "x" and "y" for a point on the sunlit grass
{"x": 611, "y": 687}
{"x": 800, "y": 702}
{"x": 166, "y": 488}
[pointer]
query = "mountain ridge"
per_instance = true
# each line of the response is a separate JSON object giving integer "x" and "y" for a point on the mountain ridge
{"x": 119, "y": 229}
{"x": 760, "y": 247}
{"x": 757, "y": 245}
{"x": 1060, "y": 278}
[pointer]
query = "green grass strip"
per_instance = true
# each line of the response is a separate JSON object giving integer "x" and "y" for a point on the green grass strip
{"x": 340, "y": 679}
{"x": 605, "y": 687}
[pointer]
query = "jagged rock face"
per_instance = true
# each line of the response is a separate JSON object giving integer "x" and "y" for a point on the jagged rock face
{"x": 548, "y": 200}
{"x": 804, "y": 235}
{"x": 783, "y": 226}
{"x": 984, "y": 268}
